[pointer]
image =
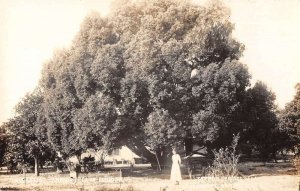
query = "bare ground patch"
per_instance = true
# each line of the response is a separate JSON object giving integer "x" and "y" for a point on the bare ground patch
{"x": 256, "y": 177}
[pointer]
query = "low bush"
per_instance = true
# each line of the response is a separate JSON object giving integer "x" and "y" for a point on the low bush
{"x": 226, "y": 160}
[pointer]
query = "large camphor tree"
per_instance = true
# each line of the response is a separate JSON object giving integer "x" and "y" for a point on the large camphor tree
{"x": 150, "y": 75}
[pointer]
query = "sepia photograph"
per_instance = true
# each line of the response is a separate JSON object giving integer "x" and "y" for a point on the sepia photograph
{"x": 149, "y": 95}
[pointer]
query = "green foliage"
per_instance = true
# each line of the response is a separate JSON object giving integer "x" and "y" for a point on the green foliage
{"x": 26, "y": 132}
{"x": 3, "y": 142}
{"x": 61, "y": 102}
{"x": 16, "y": 148}
{"x": 161, "y": 130}
{"x": 95, "y": 123}
{"x": 219, "y": 93}
{"x": 262, "y": 133}
{"x": 290, "y": 122}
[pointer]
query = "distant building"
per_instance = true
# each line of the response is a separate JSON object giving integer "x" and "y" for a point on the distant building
{"x": 121, "y": 155}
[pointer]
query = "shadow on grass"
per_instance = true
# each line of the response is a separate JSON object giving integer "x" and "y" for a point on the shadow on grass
{"x": 9, "y": 188}
{"x": 129, "y": 188}
{"x": 149, "y": 173}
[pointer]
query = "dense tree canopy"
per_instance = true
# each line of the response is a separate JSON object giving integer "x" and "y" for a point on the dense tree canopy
{"x": 150, "y": 75}
{"x": 3, "y": 142}
{"x": 290, "y": 122}
{"x": 26, "y": 132}
{"x": 261, "y": 132}
{"x": 127, "y": 79}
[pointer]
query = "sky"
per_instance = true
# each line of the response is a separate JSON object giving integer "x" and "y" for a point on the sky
{"x": 30, "y": 30}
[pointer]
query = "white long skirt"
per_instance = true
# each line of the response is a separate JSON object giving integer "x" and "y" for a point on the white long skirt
{"x": 175, "y": 172}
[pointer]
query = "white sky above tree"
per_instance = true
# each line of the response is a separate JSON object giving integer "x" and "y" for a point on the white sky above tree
{"x": 31, "y": 30}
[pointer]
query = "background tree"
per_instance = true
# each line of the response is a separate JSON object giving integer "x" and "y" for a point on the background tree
{"x": 261, "y": 133}
{"x": 15, "y": 153}
{"x": 290, "y": 122}
{"x": 27, "y": 132}
{"x": 3, "y": 142}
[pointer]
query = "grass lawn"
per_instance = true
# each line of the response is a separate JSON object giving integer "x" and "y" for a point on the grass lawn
{"x": 256, "y": 177}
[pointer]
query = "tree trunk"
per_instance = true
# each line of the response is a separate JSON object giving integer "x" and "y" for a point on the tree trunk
{"x": 158, "y": 163}
{"x": 274, "y": 157}
{"x": 162, "y": 159}
{"x": 139, "y": 148}
{"x": 74, "y": 167}
{"x": 188, "y": 145}
{"x": 78, "y": 167}
{"x": 36, "y": 166}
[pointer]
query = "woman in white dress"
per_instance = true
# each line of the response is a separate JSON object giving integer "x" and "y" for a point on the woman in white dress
{"x": 175, "y": 170}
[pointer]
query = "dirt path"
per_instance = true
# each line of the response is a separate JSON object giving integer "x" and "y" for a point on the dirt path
{"x": 94, "y": 182}
{"x": 257, "y": 177}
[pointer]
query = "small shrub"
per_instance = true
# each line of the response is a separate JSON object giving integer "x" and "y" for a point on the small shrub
{"x": 226, "y": 160}
{"x": 297, "y": 164}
